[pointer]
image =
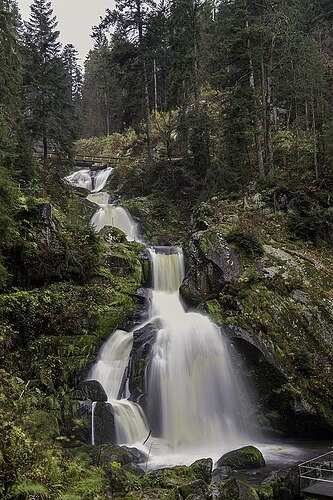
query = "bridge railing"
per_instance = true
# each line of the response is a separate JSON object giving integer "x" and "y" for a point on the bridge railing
{"x": 83, "y": 157}
{"x": 317, "y": 470}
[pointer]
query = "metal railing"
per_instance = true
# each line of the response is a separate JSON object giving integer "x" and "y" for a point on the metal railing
{"x": 318, "y": 470}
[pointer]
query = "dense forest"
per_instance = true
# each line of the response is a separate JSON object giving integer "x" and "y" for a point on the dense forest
{"x": 219, "y": 118}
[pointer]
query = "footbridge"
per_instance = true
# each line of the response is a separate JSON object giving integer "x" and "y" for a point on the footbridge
{"x": 83, "y": 160}
{"x": 316, "y": 477}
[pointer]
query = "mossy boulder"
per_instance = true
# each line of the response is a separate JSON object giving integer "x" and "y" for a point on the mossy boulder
{"x": 247, "y": 457}
{"x": 197, "y": 489}
{"x": 181, "y": 476}
{"x": 233, "y": 489}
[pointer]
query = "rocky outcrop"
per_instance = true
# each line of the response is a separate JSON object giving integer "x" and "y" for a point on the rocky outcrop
{"x": 143, "y": 340}
{"x": 211, "y": 263}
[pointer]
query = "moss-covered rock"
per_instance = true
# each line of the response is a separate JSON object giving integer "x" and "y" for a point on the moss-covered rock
{"x": 200, "y": 473}
{"x": 233, "y": 489}
{"x": 247, "y": 457}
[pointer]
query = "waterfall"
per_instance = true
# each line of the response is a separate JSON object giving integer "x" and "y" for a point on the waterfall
{"x": 110, "y": 215}
{"x": 193, "y": 397}
{"x": 109, "y": 370}
{"x": 101, "y": 198}
{"x": 191, "y": 389}
{"x": 93, "y": 422}
{"x": 92, "y": 180}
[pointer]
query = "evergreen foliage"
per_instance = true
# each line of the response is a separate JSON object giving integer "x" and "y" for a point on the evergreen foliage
{"x": 214, "y": 102}
{"x": 47, "y": 91}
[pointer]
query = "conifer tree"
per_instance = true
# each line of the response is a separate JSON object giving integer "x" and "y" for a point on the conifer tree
{"x": 70, "y": 57}
{"x": 48, "y": 103}
{"x": 131, "y": 18}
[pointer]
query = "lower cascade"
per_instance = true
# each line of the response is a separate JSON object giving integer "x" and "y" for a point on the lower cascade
{"x": 193, "y": 399}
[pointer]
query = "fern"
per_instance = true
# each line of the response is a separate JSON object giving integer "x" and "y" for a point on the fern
{"x": 26, "y": 487}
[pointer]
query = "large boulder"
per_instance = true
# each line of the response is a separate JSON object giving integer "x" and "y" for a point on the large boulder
{"x": 103, "y": 423}
{"x": 93, "y": 390}
{"x": 247, "y": 457}
{"x": 211, "y": 264}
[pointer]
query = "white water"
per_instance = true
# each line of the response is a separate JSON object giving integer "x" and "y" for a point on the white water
{"x": 93, "y": 422}
{"x": 109, "y": 370}
{"x": 110, "y": 215}
{"x": 101, "y": 198}
{"x": 93, "y": 180}
{"x": 193, "y": 406}
{"x": 192, "y": 394}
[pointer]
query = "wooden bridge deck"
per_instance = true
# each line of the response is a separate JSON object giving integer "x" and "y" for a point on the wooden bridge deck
{"x": 320, "y": 490}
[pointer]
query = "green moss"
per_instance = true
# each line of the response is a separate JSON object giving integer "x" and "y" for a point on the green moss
{"x": 247, "y": 457}
{"x": 233, "y": 489}
{"x": 213, "y": 308}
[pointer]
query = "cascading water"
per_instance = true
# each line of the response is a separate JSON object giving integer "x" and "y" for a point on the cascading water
{"x": 109, "y": 370}
{"x": 191, "y": 389}
{"x": 192, "y": 394}
{"x": 110, "y": 215}
{"x": 93, "y": 180}
{"x": 107, "y": 213}
{"x": 101, "y": 198}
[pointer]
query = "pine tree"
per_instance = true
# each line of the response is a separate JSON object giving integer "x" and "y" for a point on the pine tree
{"x": 70, "y": 57}
{"x": 131, "y": 18}
{"x": 48, "y": 104}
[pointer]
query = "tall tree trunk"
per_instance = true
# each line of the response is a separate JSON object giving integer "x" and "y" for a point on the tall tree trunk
{"x": 45, "y": 149}
{"x": 107, "y": 114}
{"x": 264, "y": 106}
{"x": 314, "y": 132}
{"x": 150, "y": 157}
{"x": 195, "y": 52}
{"x": 256, "y": 121}
{"x": 155, "y": 86}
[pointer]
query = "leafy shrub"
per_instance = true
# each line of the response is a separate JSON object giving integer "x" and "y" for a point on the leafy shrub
{"x": 314, "y": 223}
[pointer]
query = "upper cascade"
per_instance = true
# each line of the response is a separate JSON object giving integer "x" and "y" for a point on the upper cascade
{"x": 110, "y": 215}
{"x": 92, "y": 180}
{"x": 168, "y": 268}
{"x": 102, "y": 198}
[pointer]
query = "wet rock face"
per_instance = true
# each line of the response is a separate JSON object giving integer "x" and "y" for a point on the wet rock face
{"x": 211, "y": 264}
{"x": 104, "y": 426}
{"x": 247, "y": 457}
{"x": 143, "y": 340}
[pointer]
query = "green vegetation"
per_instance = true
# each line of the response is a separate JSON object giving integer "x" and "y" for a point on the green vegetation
{"x": 220, "y": 117}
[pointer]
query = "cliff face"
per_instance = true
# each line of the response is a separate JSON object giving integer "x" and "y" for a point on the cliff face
{"x": 272, "y": 296}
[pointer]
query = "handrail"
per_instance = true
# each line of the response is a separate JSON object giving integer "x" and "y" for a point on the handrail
{"x": 312, "y": 471}
{"x": 316, "y": 458}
